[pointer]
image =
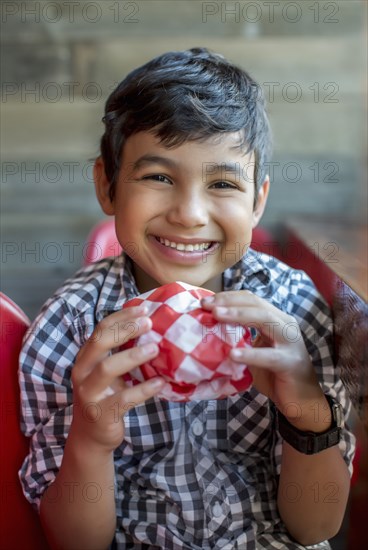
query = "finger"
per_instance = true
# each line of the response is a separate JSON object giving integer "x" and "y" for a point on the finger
{"x": 131, "y": 397}
{"x": 112, "y": 322}
{"x": 115, "y": 366}
{"x": 273, "y": 359}
{"x": 98, "y": 351}
{"x": 229, "y": 298}
{"x": 273, "y": 326}
{"x": 246, "y": 308}
{"x": 111, "y": 334}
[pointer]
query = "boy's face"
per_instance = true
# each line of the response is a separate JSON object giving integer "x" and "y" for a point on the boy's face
{"x": 185, "y": 213}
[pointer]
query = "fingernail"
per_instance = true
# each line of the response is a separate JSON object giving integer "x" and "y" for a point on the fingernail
{"x": 222, "y": 310}
{"x": 208, "y": 300}
{"x": 236, "y": 353}
{"x": 147, "y": 349}
{"x": 144, "y": 322}
{"x": 157, "y": 382}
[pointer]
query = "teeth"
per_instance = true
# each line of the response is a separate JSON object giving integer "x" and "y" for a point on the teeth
{"x": 185, "y": 247}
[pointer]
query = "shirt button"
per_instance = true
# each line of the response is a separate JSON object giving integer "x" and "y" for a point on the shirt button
{"x": 197, "y": 428}
{"x": 217, "y": 510}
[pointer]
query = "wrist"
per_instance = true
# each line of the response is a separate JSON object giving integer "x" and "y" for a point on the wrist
{"x": 312, "y": 415}
{"x": 86, "y": 449}
{"x": 311, "y": 441}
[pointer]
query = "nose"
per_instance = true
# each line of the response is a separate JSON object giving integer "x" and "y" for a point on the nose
{"x": 188, "y": 209}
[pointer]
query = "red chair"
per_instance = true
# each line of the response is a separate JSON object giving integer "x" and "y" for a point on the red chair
{"x": 263, "y": 241}
{"x": 102, "y": 242}
{"x": 20, "y": 524}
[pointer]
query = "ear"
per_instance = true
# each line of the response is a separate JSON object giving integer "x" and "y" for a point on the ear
{"x": 261, "y": 201}
{"x": 102, "y": 186}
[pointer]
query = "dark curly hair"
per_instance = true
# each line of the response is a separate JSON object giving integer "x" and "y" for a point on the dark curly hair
{"x": 186, "y": 95}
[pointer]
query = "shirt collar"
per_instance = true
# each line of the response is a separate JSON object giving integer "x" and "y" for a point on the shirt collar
{"x": 250, "y": 272}
{"x": 119, "y": 286}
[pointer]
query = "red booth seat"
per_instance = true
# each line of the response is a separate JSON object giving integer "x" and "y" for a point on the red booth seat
{"x": 20, "y": 525}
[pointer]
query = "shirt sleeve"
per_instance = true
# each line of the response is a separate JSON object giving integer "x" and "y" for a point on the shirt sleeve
{"x": 312, "y": 313}
{"x": 48, "y": 354}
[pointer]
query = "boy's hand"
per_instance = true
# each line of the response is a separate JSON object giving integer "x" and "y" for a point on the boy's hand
{"x": 100, "y": 395}
{"x": 279, "y": 361}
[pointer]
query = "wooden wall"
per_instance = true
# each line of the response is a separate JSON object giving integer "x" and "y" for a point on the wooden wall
{"x": 60, "y": 64}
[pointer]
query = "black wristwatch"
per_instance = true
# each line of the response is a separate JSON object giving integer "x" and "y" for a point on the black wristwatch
{"x": 310, "y": 443}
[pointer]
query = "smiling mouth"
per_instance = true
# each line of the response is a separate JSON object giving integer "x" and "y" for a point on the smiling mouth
{"x": 183, "y": 247}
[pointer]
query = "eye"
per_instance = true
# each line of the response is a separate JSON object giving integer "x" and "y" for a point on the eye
{"x": 223, "y": 185}
{"x": 157, "y": 177}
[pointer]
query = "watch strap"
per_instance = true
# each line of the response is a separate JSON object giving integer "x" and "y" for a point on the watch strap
{"x": 308, "y": 442}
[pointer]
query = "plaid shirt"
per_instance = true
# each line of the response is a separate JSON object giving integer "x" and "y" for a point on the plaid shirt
{"x": 187, "y": 475}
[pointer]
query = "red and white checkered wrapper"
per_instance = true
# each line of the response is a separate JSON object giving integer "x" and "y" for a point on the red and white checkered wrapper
{"x": 194, "y": 347}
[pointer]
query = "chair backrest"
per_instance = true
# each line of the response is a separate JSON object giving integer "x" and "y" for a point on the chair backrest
{"x": 102, "y": 242}
{"x": 20, "y": 525}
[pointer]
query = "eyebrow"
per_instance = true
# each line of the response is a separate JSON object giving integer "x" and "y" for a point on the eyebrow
{"x": 233, "y": 167}
{"x": 212, "y": 169}
{"x": 224, "y": 166}
{"x": 153, "y": 159}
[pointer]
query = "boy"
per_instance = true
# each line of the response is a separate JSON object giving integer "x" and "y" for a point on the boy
{"x": 182, "y": 169}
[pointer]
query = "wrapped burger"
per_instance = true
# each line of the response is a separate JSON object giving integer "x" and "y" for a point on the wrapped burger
{"x": 193, "y": 346}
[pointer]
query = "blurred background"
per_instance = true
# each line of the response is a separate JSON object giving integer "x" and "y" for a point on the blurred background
{"x": 60, "y": 60}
